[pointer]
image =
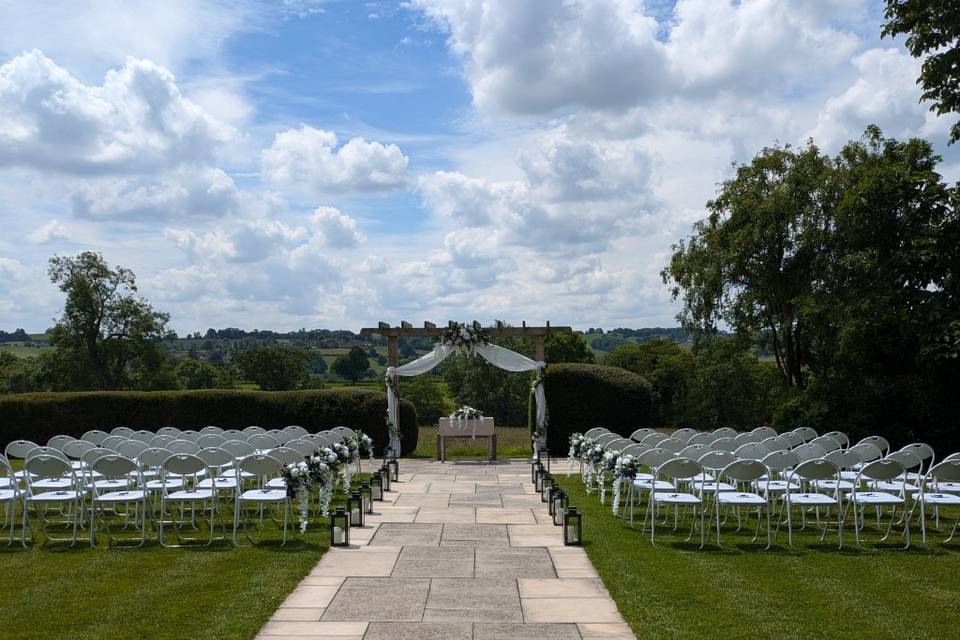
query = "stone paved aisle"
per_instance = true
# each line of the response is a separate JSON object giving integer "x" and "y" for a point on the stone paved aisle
{"x": 459, "y": 551}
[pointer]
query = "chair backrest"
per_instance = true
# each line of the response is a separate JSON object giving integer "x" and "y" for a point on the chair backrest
{"x": 6, "y": 471}
{"x": 817, "y": 469}
{"x": 867, "y": 451}
{"x": 238, "y": 448}
{"x": 47, "y": 466}
{"x": 776, "y": 443}
{"x": 883, "y": 469}
{"x": 57, "y": 442}
{"x": 653, "y": 438}
{"x": 809, "y": 451}
{"x": 76, "y": 448}
{"x": 182, "y": 446}
{"x": 952, "y": 456}
{"x": 792, "y": 439}
{"x": 590, "y": 433}
{"x": 143, "y": 436}
{"x": 45, "y": 451}
{"x": 162, "y": 440}
{"x": 113, "y": 465}
{"x": 683, "y": 434}
{"x": 694, "y": 451}
{"x": 843, "y": 458}
{"x": 126, "y": 432}
{"x": 744, "y": 471}
{"x": 702, "y": 438}
{"x": 725, "y": 432}
{"x": 97, "y": 452}
{"x": 95, "y": 436}
{"x": 828, "y": 443}
{"x": 639, "y": 434}
{"x": 806, "y": 433}
{"x": 303, "y": 447}
{"x": 618, "y": 445}
{"x": 132, "y": 448}
{"x": 635, "y": 449}
{"x": 154, "y": 456}
{"x": 908, "y": 458}
{"x": 234, "y": 434}
{"x": 262, "y": 441}
{"x": 879, "y": 441}
{"x": 189, "y": 435}
{"x": 253, "y": 429}
{"x": 780, "y": 460}
{"x": 680, "y": 469}
{"x": 210, "y": 440}
{"x": 946, "y": 471}
{"x": 724, "y": 443}
{"x": 840, "y": 437}
{"x": 287, "y": 455}
{"x": 922, "y": 449}
{"x": 765, "y": 432}
{"x": 282, "y": 436}
{"x": 345, "y": 432}
{"x": 168, "y": 431}
{"x": 716, "y": 460}
{"x": 654, "y": 458}
{"x": 211, "y": 429}
{"x": 18, "y": 449}
{"x": 746, "y": 438}
{"x": 215, "y": 457}
{"x": 672, "y": 444}
{"x": 751, "y": 451}
{"x": 260, "y": 465}
{"x": 605, "y": 438}
{"x": 295, "y": 430}
{"x": 111, "y": 442}
{"x": 184, "y": 464}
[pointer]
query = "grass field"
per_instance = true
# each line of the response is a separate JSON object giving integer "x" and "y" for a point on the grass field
{"x": 512, "y": 442}
{"x": 153, "y": 592}
{"x": 814, "y": 591}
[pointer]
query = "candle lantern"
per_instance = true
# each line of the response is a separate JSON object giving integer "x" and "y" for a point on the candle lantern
{"x": 366, "y": 494}
{"x": 538, "y": 482}
{"x": 385, "y": 477}
{"x": 387, "y": 454}
{"x": 339, "y": 529}
{"x": 560, "y": 502}
{"x": 545, "y": 486}
{"x": 534, "y": 465}
{"x": 355, "y": 509}
{"x": 394, "y": 470}
{"x": 376, "y": 487}
{"x": 572, "y": 527}
{"x": 545, "y": 455}
{"x": 554, "y": 490}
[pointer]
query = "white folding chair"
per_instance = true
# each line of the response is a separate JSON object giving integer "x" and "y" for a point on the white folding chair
{"x": 124, "y": 432}
{"x": 778, "y": 463}
{"x": 10, "y": 497}
{"x": 694, "y": 451}
{"x": 806, "y": 433}
{"x": 190, "y": 468}
{"x": 713, "y": 463}
{"x": 253, "y": 429}
{"x": 776, "y": 443}
{"x": 168, "y": 431}
{"x": 111, "y": 442}
{"x": 67, "y": 498}
{"x": 702, "y": 438}
{"x": 220, "y": 462}
{"x": 725, "y": 432}
{"x": 683, "y": 434}
{"x": 120, "y": 469}
{"x": 926, "y": 455}
{"x": 744, "y": 475}
{"x": 189, "y": 435}
{"x": 593, "y": 433}
{"x": 724, "y": 443}
{"x": 234, "y": 434}
{"x": 210, "y": 440}
{"x": 262, "y": 442}
{"x": 640, "y": 434}
{"x": 303, "y": 447}
{"x": 57, "y": 442}
{"x": 764, "y": 433}
{"x": 878, "y": 441}
{"x": 673, "y": 472}
{"x": 182, "y": 446}
{"x": 878, "y": 471}
{"x": 829, "y": 443}
{"x": 672, "y": 444}
{"x": 945, "y": 473}
{"x": 840, "y": 437}
{"x": 295, "y": 430}
{"x": 260, "y": 467}
{"x": 143, "y": 436}
{"x": 804, "y": 475}
{"x": 653, "y": 438}
{"x": 605, "y": 438}
{"x": 95, "y": 436}
{"x": 344, "y": 432}
{"x": 211, "y": 429}
{"x": 751, "y": 451}
{"x": 162, "y": 440}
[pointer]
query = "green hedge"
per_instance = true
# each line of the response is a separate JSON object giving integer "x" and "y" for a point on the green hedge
{"x": 38, "y": 416}
{"x": 583, "y": 396}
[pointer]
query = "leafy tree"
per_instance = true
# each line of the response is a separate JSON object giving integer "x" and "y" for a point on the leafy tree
{"x": 932, "y": 28}
{"x": 197, "y": 374}
{"x": 19, "y": 375}
{"x": 272, "y": 368}
{"x": 667, "y": 366}
{"x": 351, "y": 365}
{"x": 497, "y": 393}
{"x": 108, "y": 337}
{"x": 567, "y": 347}
{"x": 428, "y": 395}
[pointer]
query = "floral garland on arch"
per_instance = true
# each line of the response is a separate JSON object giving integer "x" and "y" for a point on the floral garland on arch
{"x": 464, "y": 337}
{"x": 625, "y": 470}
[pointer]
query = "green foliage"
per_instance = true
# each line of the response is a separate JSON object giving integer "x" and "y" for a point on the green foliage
{"x": 197, "y": 374}
{"x": 18, "y": 375}
{"x": 352, "y": 365}
{"x": 429, "y": 396}
{"x": 38, "y": 416}
{"x": 583, "y": 396}
{"x": 108, "y": 337}
{"x": 932, "y": 28}
{"x": 567, "y": 347}
{"x": 272, "y": 368}
{"x": 667, "y": 367}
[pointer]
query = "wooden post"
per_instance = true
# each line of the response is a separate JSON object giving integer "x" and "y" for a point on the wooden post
{"x": 540, "y": 350}
{"x": 393, "y": 352}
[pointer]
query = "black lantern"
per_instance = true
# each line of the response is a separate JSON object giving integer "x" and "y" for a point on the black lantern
{"x": 545, "y": 485}
{"x": 554, "y": 490}
{"x": 538, "y": 482}
{"x": 535, "y": 464}
{"x": 366, "y": 494}
{"x": 572, "y": 527}
{"x": 545, "y": 455}
{"x": 388, "y": 455}
{"x": 560, "y": 502}
{"x": 394, "y": 470}
{"x": 355, "y": 509}
{"x": 339, "y": 529}
{"x": 376, "y": 487}
{"x": 385, "y": 477}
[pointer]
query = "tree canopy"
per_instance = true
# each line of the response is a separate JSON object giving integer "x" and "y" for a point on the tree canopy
{"x": 272, "y": 368}
{"x": 352, "y": 365}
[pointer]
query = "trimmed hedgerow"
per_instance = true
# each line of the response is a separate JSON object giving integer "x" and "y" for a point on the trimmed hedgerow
{"x": 583, "y": 396}
{"x": 38, "y": 416}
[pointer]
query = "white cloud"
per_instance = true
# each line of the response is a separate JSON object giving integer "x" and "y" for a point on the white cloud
{"x": 48, "y": 232}
{"x": 311, "y": 156}
{"x": 136, "y": 121}
{"x": 339, "y": 231}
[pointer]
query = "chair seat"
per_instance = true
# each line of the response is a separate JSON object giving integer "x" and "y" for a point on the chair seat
{"x": 53, "y": 483}
{"x": 132, "y": 495}
{"x": 735, "y": 497}
{"x": 849, "y": 475}
{"x": 157, "y": 485}
{"x": 665, "y": 497}
{"x": 643, "y": 476}
{"x": 56, "y": 496}
{"x": 5, "y": 483}
{"x": 830, "y": 485}
{"x": 778, "y": 486}
{"x": 6, "y": 495}
{"x": 892, "y": 485}
{"x": 225, "y": 484}
{"x": 264, "y": 495}
{"x": 712, "y": 487}
{"x": 277, "y": 483}
{"x": 703, "y": 477}
{"x": 812, "y": 499}
{"x": 108, "y": 484}
{"x": 947, "y": 487}
{"x": 875, "y": 497}
{"x": 190, "y": 495}
{"x": 658, "y": 485}
{"x": 938, "y": 498}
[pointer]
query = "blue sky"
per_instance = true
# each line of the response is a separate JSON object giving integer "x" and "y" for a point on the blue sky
{"x": 331, "y": 164}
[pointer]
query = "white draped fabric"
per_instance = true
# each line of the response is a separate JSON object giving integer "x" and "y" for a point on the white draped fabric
{"x": 497, "y": 356}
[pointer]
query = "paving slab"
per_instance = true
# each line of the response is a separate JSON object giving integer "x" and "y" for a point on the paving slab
{"x": 423, "y": 500}
{"x": 435, "y": 562}
{"x": 449, "y": 514}
{"x": 512, "y": 562}
{"x": 419, "y": 631}
{"x": 351, "y": 562}
{"x": 512, "y": 631}
{"x": 315, "y": 629}
{"x": 606, "y": 630}
{"x": 505, "y": 515}
{"x": 558, "y": 588}
{"x": 371, "y": 599}
{"x": 569, "y": 610}
{"x": 457, "y": 534}
{"x": 473, "y": 600}
{"x": 475, "y": 499}
{"x": 397, "y": 533}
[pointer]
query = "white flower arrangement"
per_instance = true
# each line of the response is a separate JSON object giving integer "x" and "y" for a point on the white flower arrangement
{"x": 464, "y": 337}
{"x": 625, "y": 470}
{"x": 465, "y": 413}
{"x": 363, "y": 444}
{"x": 323, "y": 473}
{"x": 606, "y": 465}
{"x": 297, "y": 478}
{"x": 576, "y": 445}
{"x": 591, "y": 454}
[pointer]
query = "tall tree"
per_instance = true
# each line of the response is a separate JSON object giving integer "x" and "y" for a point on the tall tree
{"x": 351, "y": 365}
{"x": 272, "y": 368}
{"x": 932, "y": 28}
{"x": 108, "y": 335}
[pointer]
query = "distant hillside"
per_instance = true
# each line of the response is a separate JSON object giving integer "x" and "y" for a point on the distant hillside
{"x": 603, "y": 341}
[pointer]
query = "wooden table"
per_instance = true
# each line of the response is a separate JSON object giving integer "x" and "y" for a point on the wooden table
{"x": 482, "y": 428}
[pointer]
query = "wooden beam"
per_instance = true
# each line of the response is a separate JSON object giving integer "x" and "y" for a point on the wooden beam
{"x": 393, "y": 352}
{"x": 429, "y": 325}
{"x": 383, "y": 325}
{"x": 405, "y": 325}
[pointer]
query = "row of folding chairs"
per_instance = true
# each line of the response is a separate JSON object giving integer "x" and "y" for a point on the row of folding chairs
{"x": 160, "y": 487}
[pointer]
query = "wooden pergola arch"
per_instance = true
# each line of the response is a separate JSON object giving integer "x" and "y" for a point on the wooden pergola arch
{"x": 430, "y": 330}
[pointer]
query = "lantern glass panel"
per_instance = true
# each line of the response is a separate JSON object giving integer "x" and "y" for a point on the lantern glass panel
{"x": 355, "y": 509}
{"x": 534, "y": 465}
{"x": 376, "y": 487}
{"x": 394, "y": 470}
{"x": 366, "y": 494}
{"x": 340, "y": 529}
{"x": 538, "y": 484}
{"x": 545, "y": 455}
{"x": 572, "y": 527}
{"x": 546, "y": 483}
{"x": 385, "y": 477}
{"x": 560, "y": 502}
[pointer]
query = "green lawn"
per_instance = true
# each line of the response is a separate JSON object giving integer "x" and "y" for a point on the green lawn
{"x": 814, "y": 591}
{"x": 153, "y": 592}
{"x": 512, "y": 442}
